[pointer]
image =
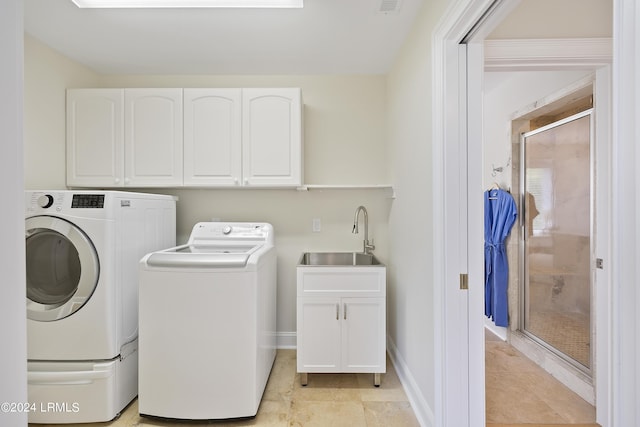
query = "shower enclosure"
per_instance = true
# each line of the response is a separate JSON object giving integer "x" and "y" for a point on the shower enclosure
{"x": 557, "y": 199}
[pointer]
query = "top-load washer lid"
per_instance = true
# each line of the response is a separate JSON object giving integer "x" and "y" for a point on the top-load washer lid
{"x": 216, "y": 245}
{"x": 207, "y": 256}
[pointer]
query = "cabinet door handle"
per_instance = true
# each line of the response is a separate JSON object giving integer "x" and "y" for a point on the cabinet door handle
{"x": 337, "y": 311}
{"x": 345, "y": 311}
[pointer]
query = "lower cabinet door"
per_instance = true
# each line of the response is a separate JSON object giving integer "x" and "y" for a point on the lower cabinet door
{"x": 318, "y": 334}
{"x": 363, "y": 335}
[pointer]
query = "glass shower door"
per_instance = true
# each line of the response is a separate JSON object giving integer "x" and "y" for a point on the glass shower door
{"x": 556, "y": 182}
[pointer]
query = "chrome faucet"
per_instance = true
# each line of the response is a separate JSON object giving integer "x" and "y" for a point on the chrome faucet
{"x": 368, "y": 246}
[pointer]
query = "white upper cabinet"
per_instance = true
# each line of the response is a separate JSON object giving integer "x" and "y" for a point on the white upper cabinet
{"x": 243, "y": 137}
{"x": 153, "y": 137}
{"x": 124, "y": 137}
{"x": 272, "y": 137}
{"x": 95, "y": 137}
{"x": 212, "y": 137}
{"x": 191, "y": 137}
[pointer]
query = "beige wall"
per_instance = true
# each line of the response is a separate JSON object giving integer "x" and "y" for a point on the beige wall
{"x": 345, "y": 143}
{"x": 411, "y": 288}
{"x": 47, "y": 74}
{"x": 549, "y": 19}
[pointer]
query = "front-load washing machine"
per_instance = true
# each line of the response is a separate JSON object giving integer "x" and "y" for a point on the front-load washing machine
{"x": 208, "y": 323}
{"x": 82, "y": 255}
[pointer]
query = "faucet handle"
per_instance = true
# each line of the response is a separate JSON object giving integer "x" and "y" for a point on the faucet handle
{"x": 369, "y": 246}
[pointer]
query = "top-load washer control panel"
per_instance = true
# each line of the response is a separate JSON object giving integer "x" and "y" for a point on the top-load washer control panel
{"x": 210, "y": 232}
{"x": 216, "y": 245}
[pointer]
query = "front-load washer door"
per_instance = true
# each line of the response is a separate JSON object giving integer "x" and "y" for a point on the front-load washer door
{"x": 62, "y": 268}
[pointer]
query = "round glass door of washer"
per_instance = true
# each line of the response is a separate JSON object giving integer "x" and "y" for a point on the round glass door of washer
{"x": 62, "y": 268}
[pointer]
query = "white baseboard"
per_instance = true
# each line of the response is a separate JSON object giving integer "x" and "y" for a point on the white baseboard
{"x": 286, "y": 340}
{"x": 424, "y": 413}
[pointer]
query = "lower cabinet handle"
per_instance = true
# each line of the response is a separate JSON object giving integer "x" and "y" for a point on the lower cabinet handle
{"x": 337, "y": 311}
{"x": 345, "y": 311}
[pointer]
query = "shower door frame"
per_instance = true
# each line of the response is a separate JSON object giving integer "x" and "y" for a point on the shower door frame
{"x": 524, "y": 276}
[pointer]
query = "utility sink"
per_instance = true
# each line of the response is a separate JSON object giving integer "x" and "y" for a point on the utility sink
{"x": 341, "y": 314}
{"x": 336, "y": 259}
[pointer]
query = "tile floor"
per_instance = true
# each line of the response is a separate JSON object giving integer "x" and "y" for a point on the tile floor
{"x": 518, "y": 392}
{"x": 348, "y": 400}
{"x": 568, "y": 332}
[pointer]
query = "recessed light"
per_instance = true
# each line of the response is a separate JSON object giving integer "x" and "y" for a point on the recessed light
{"x": 188, "y": 3}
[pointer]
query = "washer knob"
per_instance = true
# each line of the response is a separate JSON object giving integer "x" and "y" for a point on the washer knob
{"x": 45, "y": 201}
{"x": 227, "y": 229}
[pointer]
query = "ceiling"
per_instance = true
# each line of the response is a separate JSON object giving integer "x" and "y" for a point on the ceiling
{"x": 324, "y": 37}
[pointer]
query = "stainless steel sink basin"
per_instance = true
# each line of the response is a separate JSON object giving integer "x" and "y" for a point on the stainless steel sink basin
{"x": 333, "y": 259}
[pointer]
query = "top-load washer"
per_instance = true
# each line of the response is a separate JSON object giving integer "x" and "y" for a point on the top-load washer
{"x": 208, "y": 323}
{"x": 82, "y": 255}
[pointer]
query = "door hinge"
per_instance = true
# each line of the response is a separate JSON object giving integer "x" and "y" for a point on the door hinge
{"x": 464, "y": 281}
{"x": 599, "y": 263}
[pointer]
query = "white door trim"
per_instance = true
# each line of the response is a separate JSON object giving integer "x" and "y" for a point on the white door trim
{"x": 459, "y": 401}
{"x": 625, "y": 259}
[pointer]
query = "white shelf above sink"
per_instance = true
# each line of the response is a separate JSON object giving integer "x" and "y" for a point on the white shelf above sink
{"x": 388, "y": 187}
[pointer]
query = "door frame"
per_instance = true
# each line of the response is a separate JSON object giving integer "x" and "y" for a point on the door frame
{"x": 459, "y": 352}
{"x": 459, "y": 347}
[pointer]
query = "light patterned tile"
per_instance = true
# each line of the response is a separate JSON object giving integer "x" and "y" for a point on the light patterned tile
{"x": 330, "y": 413}
{"x": 327, "y": 387}
{"x": 283, "y": 374}
{"x": 519, "y": 391}
{"x": 390, "y": 388}
{"x": 389, "y": 414}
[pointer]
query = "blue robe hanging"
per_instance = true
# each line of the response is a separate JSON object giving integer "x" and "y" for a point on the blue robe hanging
{"x": 499, "y": 216}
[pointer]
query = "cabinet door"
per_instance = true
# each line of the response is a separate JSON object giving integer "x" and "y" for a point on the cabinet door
{"x": 153, "y": 137}
{"x": 272, "y": 137}
{"x": 363, "y": 335}
{"x": 318, "y": 334}
{"x": 95, "y": 137}
{"x": 212, "y": 137}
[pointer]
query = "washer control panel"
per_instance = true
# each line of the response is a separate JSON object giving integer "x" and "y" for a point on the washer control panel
{"x": 39, "y": 201}
{"x": 64, "y": 201}
{"x": 204, "y": 232}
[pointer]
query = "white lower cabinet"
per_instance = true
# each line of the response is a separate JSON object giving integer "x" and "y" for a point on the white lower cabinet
{"x": 319, "y": 331}
{"x": 341, "y": 329}
{"x": 363, "y": 337}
